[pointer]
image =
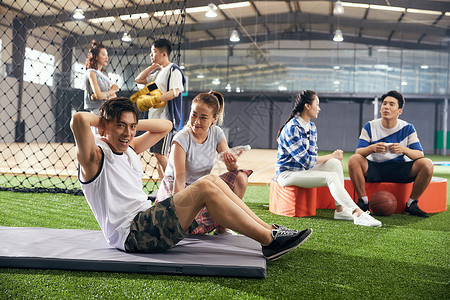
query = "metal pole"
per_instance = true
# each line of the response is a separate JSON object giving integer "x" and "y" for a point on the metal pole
{"x": 444, "y": 128}
{"x": 375, "y": 107}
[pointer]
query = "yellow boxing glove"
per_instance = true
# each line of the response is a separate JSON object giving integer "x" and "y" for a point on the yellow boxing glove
{"x": 147, "y": 90}
{"x": 145, "y": 102}
{"x": 157, "y": 93}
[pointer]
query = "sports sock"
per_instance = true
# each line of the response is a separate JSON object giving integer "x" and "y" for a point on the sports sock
{"x": 365, "y": 199}
{"x": 409, "y": 202}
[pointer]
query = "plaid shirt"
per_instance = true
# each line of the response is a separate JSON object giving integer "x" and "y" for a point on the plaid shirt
{"x": 292, "y": 143}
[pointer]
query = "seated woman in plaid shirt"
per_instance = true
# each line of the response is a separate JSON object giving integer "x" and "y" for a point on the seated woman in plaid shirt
{"x": 192, "y": 156}
{"x": 298, "y": 163}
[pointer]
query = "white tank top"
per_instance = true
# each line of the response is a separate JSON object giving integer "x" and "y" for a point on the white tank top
{"x": 115, "y": 194}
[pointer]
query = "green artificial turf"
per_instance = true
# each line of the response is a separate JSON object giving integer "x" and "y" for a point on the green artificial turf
{"x": 407, "y": 258}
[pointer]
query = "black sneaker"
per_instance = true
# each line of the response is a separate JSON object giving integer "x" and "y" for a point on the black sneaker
{"x": 281, "y": 227}
{"x": 362, "y": 205}
{"x": 414, "y": 209}
{"x": 284, "y": 241}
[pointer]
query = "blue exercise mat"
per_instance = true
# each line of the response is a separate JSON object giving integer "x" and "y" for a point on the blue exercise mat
{"x": 87, "y": 250}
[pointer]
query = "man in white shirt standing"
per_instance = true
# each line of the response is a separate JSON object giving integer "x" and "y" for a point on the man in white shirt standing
{"x": 169, "y": 79}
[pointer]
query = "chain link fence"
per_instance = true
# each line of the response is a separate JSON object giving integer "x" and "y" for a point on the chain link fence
{"x": 43, "y": 50}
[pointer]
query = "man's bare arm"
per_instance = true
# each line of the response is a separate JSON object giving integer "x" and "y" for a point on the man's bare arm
{"x": 155, "y": 130}
{"x": 88, "y": 154}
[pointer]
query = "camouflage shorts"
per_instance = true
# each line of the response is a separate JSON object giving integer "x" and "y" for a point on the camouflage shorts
{"x": 156, "y": 229}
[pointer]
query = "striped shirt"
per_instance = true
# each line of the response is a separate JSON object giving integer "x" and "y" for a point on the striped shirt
{"x": 403, "y": 133}
{"x": 297, "y": 147}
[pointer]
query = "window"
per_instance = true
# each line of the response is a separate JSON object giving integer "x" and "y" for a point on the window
{"x": 78, "y": 70}
{"x": 39, "y": 67}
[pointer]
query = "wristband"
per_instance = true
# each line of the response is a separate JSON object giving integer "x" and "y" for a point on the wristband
{"x": 107, "y": 95}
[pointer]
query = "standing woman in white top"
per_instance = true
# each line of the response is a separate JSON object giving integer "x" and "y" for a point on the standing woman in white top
{"x": 98, "y": 87}
{"x": 298, "y": 162}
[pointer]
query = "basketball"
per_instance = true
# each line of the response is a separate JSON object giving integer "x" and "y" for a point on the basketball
{"x": 383, "y": 203}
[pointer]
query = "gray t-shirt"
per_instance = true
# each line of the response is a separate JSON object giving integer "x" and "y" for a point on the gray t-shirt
{"x": 199, "y": 157}
{"x": 103, "y": 83}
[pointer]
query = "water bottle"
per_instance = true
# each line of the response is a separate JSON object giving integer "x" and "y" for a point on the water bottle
{"x": 238, "y": 150}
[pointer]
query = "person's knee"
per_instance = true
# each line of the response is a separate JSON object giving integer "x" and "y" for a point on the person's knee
{"x": 334, "y": 164}
{"x": 425, "y": 165}
{"x": 355, "y": 161}
{"x": 241, "y": 180}
{"x": 206, "y": 185}
{"x": 211, "y": 178}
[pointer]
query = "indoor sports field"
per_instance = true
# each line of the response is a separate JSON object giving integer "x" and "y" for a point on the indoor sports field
{"x": 407, "y": 258}
{"x": 262, "y": 56}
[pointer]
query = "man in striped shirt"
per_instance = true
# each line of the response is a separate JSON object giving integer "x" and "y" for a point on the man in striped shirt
{"x": 389, "y": 150}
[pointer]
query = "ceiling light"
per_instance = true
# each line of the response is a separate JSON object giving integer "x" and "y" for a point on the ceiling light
{"x": 338, "y": 37}
{"x": 198, "y": 9}
{"x": 200, "y": 76}
{"x": 211, "y": 13}
{"x": 357, "y": 5}
{"x": 201, "y": 9}
{"x": 134, "y": 16}
{"x": 234, "y": 5}
{"x": 424, "y": 67}
{"x": 167, "y": 13}
{"x": 215, "y": 81}
{"x": 238, "y": 89}
{"x": 182, "y": 67}
{"x": 78, "y": 14}
{"x": 336, "y": 82}
{"x": 338, "y": 8}
{"x": 388, "y": 8}
{"x": 126, "y": 38}
{"x": 103, "y": 20}
{"x": 336, "y": 67}
{"x": 282, "y": 88}
{"x": 404, "y": 83}
{"x": 228, "y": 87}
{"x": 423, "y": 11}
{"x": 234, "y": 37}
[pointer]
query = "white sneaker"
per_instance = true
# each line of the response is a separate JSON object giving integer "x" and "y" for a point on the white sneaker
{"x": 343, "y": 215}
{"x": 366, "y": 220}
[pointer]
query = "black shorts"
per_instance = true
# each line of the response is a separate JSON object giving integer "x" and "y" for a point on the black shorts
{"x": 163, "y": 145}
{"x": 390, "y": 172}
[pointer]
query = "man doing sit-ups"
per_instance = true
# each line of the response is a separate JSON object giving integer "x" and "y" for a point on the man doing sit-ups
{"x": 110, "y": 174}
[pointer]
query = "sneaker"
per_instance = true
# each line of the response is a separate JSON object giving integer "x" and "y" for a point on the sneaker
{"x": 226, "y": 232}
{"x": 414, "y": 209}
{"x": 281, "y": 227}
{"x": 362, "y": 205}
{"x": 343, "y": 215}
{"x": 284, "y": 241}
{"x": 365, "y": 219}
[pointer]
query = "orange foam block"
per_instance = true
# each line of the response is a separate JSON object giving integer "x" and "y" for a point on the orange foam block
{"x": 326, "y": 201}
{"x": 292, "y": 201}
{"x": 433, "y": 200}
